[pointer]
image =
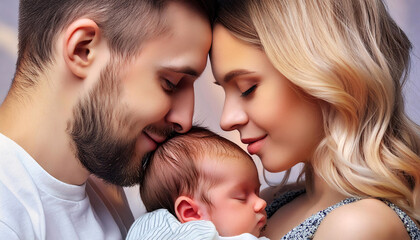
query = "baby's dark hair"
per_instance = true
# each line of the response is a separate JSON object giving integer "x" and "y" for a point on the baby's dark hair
{"x": 174, "y": 168}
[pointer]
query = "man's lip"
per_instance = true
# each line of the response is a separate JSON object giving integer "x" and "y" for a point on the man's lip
{"x": 155, "y": 137}
{"x": 251, "y": 140}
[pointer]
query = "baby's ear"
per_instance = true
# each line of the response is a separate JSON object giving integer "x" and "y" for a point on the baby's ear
{"x": 187, "y": 209}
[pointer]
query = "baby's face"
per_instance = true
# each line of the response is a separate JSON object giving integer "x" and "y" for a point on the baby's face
{"x": 237, "y": 207}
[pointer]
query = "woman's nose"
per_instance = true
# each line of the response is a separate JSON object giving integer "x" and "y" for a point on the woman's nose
{"x": 233, "y": 115}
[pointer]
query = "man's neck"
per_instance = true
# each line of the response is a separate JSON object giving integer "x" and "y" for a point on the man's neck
{"x": 39, "y": 126}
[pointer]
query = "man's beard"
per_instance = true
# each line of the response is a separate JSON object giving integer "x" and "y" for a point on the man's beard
{"x": 102, "y": 132}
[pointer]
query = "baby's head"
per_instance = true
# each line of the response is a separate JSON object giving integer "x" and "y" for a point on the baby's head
{"x": 203, "y": 176}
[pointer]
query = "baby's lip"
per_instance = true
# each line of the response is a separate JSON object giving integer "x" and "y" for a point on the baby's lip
{"x": 263, "y": 220}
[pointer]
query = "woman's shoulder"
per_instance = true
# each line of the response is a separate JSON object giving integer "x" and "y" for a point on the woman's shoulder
{"x": 364, "y": 219}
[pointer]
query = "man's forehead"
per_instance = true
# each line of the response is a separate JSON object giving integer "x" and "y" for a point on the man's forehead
{"x": 187, "y": 8}
{"x": 183, "y": 45}
{"x": 181, "y": 11}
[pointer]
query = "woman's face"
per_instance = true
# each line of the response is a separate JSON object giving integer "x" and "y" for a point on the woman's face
{"x": 278, "y": 121}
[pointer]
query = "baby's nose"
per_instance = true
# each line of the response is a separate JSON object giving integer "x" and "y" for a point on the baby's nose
{"x": 260, "y": 205}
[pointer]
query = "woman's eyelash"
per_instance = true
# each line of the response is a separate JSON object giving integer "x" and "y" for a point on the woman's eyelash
{"x": 249, "y": 91}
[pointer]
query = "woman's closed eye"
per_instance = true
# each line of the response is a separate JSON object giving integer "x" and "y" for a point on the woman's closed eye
{"x": 249, "y": 91}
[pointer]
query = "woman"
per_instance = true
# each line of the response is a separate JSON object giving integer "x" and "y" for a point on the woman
{"x": 319, "y": 82}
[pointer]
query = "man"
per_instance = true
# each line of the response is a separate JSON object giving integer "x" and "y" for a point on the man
{"x": 98, "y": 85}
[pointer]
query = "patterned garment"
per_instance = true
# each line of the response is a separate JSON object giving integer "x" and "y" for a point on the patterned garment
{"x": 307, "y": 229}
{"x": 161, "y": 225}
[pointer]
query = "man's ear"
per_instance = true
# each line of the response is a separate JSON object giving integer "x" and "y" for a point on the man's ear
{"x": 187, "y": 209}
{"x": 80, "y": 42}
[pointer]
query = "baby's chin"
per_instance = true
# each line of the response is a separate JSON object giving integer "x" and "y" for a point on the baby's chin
{"x": 258, "y": 231}
{"x": 261, "y": 232}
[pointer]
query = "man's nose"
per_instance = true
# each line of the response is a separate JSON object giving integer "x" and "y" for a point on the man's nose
{"x": 181, "y": 113}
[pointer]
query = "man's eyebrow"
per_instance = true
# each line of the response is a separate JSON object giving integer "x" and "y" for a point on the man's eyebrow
{"x": 184, "y": 70}
{"x": 235, "y": 73}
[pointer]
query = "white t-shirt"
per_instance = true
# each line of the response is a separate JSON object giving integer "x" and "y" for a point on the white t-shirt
{"x": 35, "y": 205}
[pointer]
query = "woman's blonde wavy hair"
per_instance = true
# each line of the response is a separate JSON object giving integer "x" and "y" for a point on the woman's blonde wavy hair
{"x": 354, "y": 58}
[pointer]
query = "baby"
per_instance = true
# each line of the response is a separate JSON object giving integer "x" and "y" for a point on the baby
{"x": 200, "y": 176}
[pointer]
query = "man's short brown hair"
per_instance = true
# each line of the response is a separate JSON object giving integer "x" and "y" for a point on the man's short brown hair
{"x": 124, "y": 24}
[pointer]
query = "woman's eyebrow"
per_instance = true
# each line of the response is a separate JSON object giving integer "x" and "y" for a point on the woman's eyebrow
{"x": 235, "y": 73}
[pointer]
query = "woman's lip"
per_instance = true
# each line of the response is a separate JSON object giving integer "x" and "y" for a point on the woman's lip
{"x": 251, "y": 140}
{"x": 254, "y": 144}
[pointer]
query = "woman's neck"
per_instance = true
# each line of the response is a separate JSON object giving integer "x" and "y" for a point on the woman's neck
{"x": 319, "y": 192}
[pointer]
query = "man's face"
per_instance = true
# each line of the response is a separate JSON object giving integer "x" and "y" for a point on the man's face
{"x": 136, "y": 104}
